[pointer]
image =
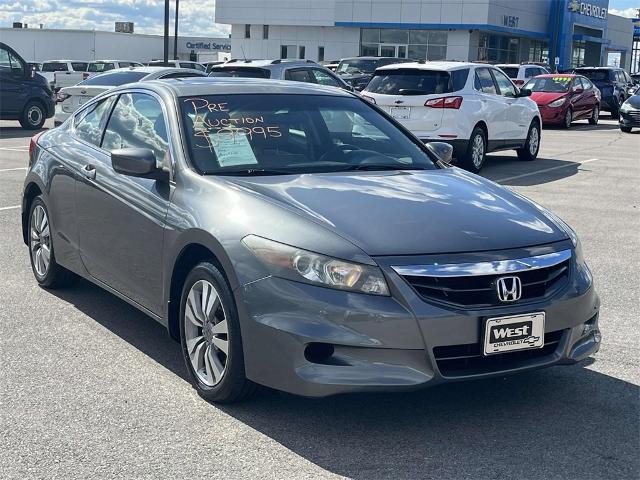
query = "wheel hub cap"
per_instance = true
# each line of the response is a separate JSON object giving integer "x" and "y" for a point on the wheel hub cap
{"x": 206, "y": 332}
{"x": 40, "y": 241}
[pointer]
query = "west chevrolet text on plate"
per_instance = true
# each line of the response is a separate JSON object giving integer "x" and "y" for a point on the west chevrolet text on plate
{"x": 295, "y": 236}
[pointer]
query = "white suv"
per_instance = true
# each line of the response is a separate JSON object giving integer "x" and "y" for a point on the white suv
{"x": 474, "y": 107}
{"x": 521, "y": 74}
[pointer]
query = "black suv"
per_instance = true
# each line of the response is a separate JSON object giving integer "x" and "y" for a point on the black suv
{"x": 614, "y": 84}
{"x": 24, "y": 95}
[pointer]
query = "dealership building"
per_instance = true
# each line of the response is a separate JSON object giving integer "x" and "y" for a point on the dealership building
{"x": 567, "y": 33}
{"x": 38, "y": 45}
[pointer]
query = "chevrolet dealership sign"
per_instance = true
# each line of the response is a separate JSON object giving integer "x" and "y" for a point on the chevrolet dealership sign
{"x": 588, "y": 9}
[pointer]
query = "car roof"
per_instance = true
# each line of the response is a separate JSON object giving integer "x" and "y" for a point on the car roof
{"x": 597, "y": 68}
{"x": 65, "y": 61}
{"x": 148, "y": 70}
{"x": 264, "y": 63}
{"x": 554, "y": 75}
{"x": 229, "y": 86}
{"x": 112, "y": 60}
{"x": 442, "y": 66}
{"x": 372, "y": 58}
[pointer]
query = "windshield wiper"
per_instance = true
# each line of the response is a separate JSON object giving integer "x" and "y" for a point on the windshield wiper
{"x": 253, "y": 171}
{"x": 383, "y": 166}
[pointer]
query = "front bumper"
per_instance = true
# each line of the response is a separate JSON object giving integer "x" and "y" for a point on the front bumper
{"x": 552, "y": 116}
{"x": 315, "y": 341}
{"x": 630, "y": 118}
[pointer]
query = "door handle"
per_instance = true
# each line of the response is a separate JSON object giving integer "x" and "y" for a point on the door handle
{"x": 89, "y": 171}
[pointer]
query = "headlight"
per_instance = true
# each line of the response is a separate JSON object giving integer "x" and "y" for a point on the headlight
{"x": 557, "y": 103}
{"x": 303, "y": 266}
{"x": 626, "y": 107}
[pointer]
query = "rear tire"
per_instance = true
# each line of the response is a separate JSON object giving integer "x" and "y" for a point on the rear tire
{"x": 205, "y": 334}
{"x": 33, "y": 116}
{"x": 475, "y": 156}
{"x": 595, "y": 116}
{"x": 532, "y": 146}
{"x": 43, "y": 260}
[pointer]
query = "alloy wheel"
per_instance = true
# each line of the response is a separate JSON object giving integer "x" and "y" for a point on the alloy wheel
{"x": 206, "y": 333}
{"x": 534, "y": 140}
{"x": 477, "y": 151}
{"x": 40, "y": 241}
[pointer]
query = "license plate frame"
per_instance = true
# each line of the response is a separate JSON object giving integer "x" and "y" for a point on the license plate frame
{"x": 400, "y": 113}
{"x": 513, "y": 336}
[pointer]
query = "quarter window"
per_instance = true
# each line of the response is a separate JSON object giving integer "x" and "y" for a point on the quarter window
{"x": 504, "y": 84}
{"x": 137, "y": 121}
{"x": 89, "y": 123}
{"x": 484, "y": 81}
{"x": 300, "y": 75}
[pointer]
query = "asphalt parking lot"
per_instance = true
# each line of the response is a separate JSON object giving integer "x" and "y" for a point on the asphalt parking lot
{"x": 91, "y": 388}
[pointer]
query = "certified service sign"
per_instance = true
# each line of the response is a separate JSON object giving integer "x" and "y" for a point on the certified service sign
{"x": 587, "y": 9}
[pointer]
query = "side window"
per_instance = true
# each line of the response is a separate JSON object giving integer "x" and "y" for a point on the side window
{"x": 619, "y": 76}
{"x": 299, "y": 75}
{"x": 89, "y": 123}
{"x": 577, "y": 83}
{"x": 79, "y": 66}
{"x": 586, "y": 82}
{"x": 137, "y": 121}
{"x": 531, "y": 72}
{"x": 323, "y": 78}
{"x": 9, "y": 63}
{"x": 484, "y": 81}
{"x": 627, "y": 78}
{"x": 507, "y": 89}
{"x": 459, "y": 79}
{"x": 186, "y": 65}
{"x": 181, "y": 75}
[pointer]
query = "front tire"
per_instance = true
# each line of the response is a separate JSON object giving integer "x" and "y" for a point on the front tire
{"x": 532, "y": 146}
{"x": 568, "y": 118}
{"x": 476, "y": 153}
{"x": 210, "y": 336}
{"x": 626, "y": 129}
{"x": 33, "y": 116}
{"x": 43, "y": 260}
{"x": 595, "y": 116}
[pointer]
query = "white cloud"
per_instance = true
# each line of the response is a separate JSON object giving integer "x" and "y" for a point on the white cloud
{"x": 196, "y": 16}
{"x": 627, "y": 12}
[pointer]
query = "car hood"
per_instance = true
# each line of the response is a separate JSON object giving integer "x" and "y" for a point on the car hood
{"x": 411, "y": 212}
{"x": 545, "y": 98}
{"x": 634, "y": 101}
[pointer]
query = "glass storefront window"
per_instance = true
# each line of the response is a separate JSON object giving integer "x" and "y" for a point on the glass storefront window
{"x": 412, "y": 44}
{"x": 498, "y": 48}
{"x": 392, "y": 35}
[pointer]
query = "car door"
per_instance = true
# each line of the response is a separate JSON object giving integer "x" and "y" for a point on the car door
{"x": 493, "y": 107}
{"x": 121, "y": 218}
{"x": 591, "y": 93}
{"x": 579, "y": 99}
{"x": 12, "y": 84}
{"x": 517, "y": 119}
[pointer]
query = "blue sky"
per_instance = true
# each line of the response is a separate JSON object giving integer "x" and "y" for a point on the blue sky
{"x": 196, "y": 15}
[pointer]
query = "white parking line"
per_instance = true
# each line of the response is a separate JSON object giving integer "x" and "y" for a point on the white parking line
{"x": 15, "y": 149}
{"x": 12, "y": 169}
{"x": 9, "y": 208}
{"x": 544, "y": 170}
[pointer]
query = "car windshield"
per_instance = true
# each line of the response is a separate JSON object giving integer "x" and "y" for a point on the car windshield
{"x": 405, "y": 81}
{"x": 243, "y": 72}
{"x": 54, "y": 67}
{"x": 595, "y": 75}
{"x": 101, "y": 66}
{"x": 511, "y": 72}
{"x": 114, "y": 78}
{"x": 291, "y": 134}
{"x": 549, "y": 84}
{"x": 356, "y": 65}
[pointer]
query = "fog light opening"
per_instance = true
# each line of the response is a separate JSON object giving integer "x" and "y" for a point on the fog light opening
{"x": 319, "y": 353}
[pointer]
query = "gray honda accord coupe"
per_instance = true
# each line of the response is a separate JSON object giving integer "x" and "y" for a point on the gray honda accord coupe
{"x": 295, "y": 236}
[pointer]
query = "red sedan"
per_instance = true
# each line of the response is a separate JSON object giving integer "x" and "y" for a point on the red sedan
{"x": 564, "y": 98}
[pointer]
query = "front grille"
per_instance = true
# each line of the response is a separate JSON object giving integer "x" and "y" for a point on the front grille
{"x": 634, "y": 117}
{"x": 463, "y": 360}
{"x": 479, "y": 291}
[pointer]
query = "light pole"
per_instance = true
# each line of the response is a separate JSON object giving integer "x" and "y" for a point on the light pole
{"x": 175, "y": 34}
{"x": 166, "y": 31}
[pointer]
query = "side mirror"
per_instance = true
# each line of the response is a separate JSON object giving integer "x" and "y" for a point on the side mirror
{"x": 442, "y": 151}
{"x": 136, "y": 162}
{"x": 524, "y": 92}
